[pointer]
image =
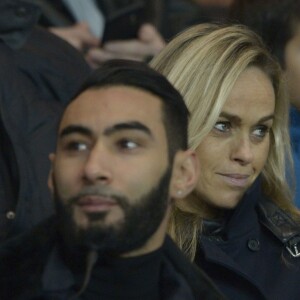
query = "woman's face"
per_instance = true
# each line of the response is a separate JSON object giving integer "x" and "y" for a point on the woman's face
{"x": 234, "y": 153}
{"x": 292, "y": 67}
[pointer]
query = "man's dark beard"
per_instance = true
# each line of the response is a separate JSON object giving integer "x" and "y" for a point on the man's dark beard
{"x": 141, "y": 219}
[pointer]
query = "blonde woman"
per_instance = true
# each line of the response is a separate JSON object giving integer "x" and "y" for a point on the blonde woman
{"x": 239, "y": 224}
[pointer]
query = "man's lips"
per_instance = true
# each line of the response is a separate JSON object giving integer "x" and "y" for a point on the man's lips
{"x": 236, "y": 180}
{"x": 95, "y": 203}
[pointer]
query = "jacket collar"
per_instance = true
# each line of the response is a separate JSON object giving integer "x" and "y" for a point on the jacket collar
{"x": 283, "y": 227}
{"x": 56, "y": 275}
{"x": 253, "y": 210}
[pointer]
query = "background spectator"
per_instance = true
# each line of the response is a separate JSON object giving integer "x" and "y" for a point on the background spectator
{"x": 39, "y": 74}
{"x": 82, "y": 24}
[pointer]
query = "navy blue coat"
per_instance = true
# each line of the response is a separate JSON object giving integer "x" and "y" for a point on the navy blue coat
{"x": 246, "y": 255}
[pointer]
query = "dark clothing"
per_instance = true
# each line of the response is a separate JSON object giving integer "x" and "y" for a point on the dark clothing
{"x": 133, "y": 278}
{"x": 39, "y": 74}
{"x": 55, "y": 13}
{"x": 177, "y": 15}
{"x": 169, "y": 16}
{"x": 246, "y": 253}
{"x": 295, "y": 141}
{"x": 35, "y": 269}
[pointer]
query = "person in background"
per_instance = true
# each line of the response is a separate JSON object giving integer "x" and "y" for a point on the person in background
{"x": 239, "y": 224}
{"x": 39, "y": 73}
{"x": 82, "y": 24}
{"x": 278, "y": 23}
{"x": 115, "y": 174}
{"x": 174, "y": 16}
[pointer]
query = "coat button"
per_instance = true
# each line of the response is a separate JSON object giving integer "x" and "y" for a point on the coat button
{"x": 253, "y": 245}
{"x": 10, "y": 215}
{"x": 21, "y": 12}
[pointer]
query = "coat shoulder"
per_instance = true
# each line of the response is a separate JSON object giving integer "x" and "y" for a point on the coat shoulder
{"x": 24, "y": 257}
{"x": 199, "y": 283}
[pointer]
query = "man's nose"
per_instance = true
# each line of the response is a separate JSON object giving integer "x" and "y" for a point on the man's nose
{"x": 97, "y": 168}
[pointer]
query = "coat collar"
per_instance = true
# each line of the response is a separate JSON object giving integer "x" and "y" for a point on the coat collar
{"x": 56, "y": 276}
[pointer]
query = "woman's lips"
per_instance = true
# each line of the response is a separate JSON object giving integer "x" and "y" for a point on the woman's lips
{"x": 236, "y": 180}
{"x": 97, "y": 203}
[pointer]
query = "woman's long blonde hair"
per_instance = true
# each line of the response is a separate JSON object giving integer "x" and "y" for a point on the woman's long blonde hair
{"x": 203, "y": 63}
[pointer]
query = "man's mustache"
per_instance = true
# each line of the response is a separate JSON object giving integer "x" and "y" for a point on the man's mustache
{"x": 101, "y": 192}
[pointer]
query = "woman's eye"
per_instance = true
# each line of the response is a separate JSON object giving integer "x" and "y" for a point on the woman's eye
{"x": 222, "y": 126}
{"x": 261, "y": 131}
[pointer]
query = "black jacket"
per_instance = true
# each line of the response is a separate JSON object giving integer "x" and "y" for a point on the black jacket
{"x": 169, "y": 16}
{"x": 55, "y": 12}
{"x": 254, "y": 253}
{"x": 24, "y": 260}
{"x": 39, "y": 74}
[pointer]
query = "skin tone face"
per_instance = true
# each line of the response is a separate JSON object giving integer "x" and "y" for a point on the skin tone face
{"x": 110, "y": 146}
{"x": 292, "y": 68}
{"x": 234, "y": 153}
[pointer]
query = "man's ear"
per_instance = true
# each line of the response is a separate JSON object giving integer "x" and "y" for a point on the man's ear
{"x": 50, "y": 175}
{"x": 185, "y": 174}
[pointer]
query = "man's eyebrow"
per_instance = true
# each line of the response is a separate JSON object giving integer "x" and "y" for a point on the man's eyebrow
{"x": 71, "y": 129}
{"x": 134, "y": 125}
{"x": 237, "y": 119}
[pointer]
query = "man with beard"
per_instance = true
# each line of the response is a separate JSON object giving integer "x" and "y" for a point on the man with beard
{"x": 121, "y": 160}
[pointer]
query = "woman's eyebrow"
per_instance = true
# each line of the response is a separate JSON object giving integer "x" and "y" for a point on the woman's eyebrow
{"x": 237, "y": 119}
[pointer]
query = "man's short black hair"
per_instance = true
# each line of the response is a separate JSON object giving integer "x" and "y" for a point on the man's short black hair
{"x": 140, "y": 75}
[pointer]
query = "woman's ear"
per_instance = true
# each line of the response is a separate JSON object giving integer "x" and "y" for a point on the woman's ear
{"x": 50, "y": 176}
{"x": 185, "y": 174}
